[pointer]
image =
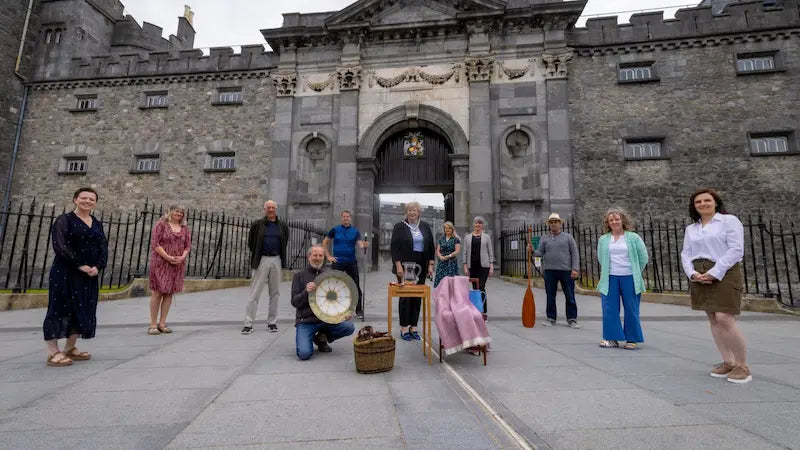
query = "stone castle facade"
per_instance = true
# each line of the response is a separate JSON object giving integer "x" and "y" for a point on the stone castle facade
{"x": 520, "y": 113}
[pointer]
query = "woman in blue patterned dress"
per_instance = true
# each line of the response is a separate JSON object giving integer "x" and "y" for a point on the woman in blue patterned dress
{"x": 81, "y": 252}
{"x": 446, "y": 252}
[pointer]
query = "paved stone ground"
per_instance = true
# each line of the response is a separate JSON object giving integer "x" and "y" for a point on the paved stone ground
{"x": 207, "y": 386}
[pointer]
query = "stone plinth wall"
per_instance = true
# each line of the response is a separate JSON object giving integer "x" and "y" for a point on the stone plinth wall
{"x": 183, "y": 135}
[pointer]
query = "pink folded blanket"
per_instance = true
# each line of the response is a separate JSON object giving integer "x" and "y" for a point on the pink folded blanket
{"x": 458, "y": 322}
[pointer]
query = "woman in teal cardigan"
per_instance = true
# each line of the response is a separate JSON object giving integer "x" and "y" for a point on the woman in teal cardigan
{"x": 622, "y": 256}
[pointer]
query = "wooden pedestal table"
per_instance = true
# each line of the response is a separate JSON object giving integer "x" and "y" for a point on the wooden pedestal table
{"x": 414, "y": 290}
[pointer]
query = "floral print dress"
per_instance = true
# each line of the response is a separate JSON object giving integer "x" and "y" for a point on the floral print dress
{"x": 448, "y": 268}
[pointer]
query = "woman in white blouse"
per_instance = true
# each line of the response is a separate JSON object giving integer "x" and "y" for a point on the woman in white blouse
{"x": 713, "y": 246}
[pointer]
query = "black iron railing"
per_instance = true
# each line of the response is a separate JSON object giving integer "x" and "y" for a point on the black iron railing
{"x": 219, "y": 245}
{"x": 771, "y": 261}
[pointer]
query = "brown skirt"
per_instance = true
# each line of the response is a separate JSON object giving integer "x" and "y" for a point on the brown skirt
{"x": 720, "y": 296}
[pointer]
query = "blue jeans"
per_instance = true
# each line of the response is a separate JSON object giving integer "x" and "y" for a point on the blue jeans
{"x": 305, "y": 332}
{"x": 621, "y": 286}
{"x": 551, "y": 280}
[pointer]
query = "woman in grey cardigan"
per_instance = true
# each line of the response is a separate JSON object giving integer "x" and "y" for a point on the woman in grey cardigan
{"x": 478, "y": 255}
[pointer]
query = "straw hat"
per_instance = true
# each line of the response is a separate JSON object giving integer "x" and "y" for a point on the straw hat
{"x": 555, "y": 216}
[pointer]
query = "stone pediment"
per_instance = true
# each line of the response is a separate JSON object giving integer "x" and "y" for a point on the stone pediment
{"x": 385, "y": 12}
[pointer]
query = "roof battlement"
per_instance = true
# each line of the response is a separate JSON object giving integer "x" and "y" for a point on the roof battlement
{"x": 220, "y": 59}
{"x": 644, "y": 28}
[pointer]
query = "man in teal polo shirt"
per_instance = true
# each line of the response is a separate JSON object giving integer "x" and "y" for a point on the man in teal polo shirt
{"x": 345, "y": 239}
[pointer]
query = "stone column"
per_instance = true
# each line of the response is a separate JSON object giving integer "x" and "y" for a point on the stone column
{"x": 481, "y": 192}
{"x": 363, "y": 213}
{"x": 285, "y": 85}
{"x": 559, "y": 151}
{"x": 344, "y": 162}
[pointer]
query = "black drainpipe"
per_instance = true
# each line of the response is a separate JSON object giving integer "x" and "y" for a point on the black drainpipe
{"x": 13, "y": 159}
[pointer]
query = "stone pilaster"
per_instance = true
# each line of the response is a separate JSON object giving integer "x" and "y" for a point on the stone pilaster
{"x": 344, "y": 154}
{"x": 460, "y": 163}
{"x": 364, "y": 211}
{"x": 481, "y": 192}
{"x": 559, "y": 152}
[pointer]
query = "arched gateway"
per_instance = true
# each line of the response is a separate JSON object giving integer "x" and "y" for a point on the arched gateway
{"x": 413, "y": 148}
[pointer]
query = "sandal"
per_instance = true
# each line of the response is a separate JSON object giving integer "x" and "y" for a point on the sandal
{"x": 58, "y": 359}
{"x": 153, "y": 331}
{"x": 77, "y": 355}
{"x": 474, "y": 351}
{"x": 608, "y": 344}
{"x": 406, "y": 336}
{"x": 164, "y": 329}
{"x": 631, "y": 346}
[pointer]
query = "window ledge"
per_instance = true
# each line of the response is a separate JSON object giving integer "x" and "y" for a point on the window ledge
{"x": 227, "y": 103}
{"x": 760, "y": 72}
{"x": 648, "y": 80}
{"x": 218, "y": 170}
{"x": 146, "y": 172}
{"x": 71, "y": 173}
{"x": 650, "y": 158}
{"x": 789, "y": 153}
{"x": 153, "y": 107}
{"x": 82, "y": 110}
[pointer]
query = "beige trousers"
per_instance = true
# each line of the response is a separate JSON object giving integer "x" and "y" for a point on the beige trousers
{"x": 269, "y": 271}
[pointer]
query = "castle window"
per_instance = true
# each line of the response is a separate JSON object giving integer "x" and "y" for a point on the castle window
{"x": 637, "y": 72}
{"x": 229, "y": 96}
{"x": 155, "y": 100}
{"x": 221, "y": 162}
{"x": 71, "y": 165}
{"x": 85, "y": 103}
{"x": 52, "y": 36}
{"x": 649, "y": 148}
{"x": 779, "y": 143}
{"x": 762, "y": 62}
{"x": 146, "y": 164}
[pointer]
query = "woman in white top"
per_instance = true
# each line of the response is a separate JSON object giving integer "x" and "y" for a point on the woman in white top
{"x": 713, "y": 246}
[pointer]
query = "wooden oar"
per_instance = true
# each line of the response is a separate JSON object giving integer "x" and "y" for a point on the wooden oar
{"x": 528, "y": 305}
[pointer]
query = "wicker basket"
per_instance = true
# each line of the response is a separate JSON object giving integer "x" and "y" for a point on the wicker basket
{"x": 374, "y": 355}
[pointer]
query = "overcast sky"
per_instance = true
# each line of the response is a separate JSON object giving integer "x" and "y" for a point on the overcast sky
{"x": 224, "y": 23}
{"x": 227, "y": 23}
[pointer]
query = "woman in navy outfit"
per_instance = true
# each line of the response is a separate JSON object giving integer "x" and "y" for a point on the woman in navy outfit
{"x": 81, "y": 251}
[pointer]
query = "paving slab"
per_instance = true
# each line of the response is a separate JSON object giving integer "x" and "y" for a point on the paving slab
{"x": 139, "y": 437}
{"x": 691, "y": 437}
{"x": 773, "y": 421}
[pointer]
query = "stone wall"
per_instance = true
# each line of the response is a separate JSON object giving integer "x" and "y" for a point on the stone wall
{"x": 701, "y": 108}
{"x": 182, "y": 134}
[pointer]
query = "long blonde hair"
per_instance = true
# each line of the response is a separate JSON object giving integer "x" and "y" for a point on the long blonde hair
{"x": 176, "y": 207}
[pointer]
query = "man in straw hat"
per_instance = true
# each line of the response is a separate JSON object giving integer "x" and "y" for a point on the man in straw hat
{"x": 559, "y": 253}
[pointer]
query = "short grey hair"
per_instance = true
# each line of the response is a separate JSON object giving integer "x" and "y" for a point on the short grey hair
{"x": 479, "y": 220}
{"x": 310, "y": 249}
{"x": 413, "y": 205}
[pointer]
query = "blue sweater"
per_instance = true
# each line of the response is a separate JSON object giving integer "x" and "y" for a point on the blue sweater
{"x": 637, "y": 253}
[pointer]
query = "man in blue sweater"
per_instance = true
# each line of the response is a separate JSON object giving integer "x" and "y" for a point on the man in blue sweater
{"x": 561, "y": 261}
{"x": 345, "y": 239}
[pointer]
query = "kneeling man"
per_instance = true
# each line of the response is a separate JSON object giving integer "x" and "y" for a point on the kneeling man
{"x": 309, "y": 329}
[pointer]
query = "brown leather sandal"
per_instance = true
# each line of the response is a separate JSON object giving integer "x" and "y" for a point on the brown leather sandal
{"x": 58, "y": 359}
{"x": 77, "y": 355}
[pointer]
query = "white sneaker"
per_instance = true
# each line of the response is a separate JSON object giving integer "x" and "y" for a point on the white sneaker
{"x": 549, "y": 323}
{"x": 574, "y": 324}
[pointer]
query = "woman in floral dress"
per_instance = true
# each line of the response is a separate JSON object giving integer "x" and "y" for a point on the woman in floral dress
{"x": 446, "y": 252}
{"x": 170, "y": 242}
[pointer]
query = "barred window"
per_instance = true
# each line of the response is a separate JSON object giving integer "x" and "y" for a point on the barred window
{"x": 643, "y": 150}
{"x": 156, "y": 100}
{"x": 769, "y": 144}
{"x": 86, "y": 103}
{"x": 221, "y": 162}
{"x": 755, "y": 63}
{"x": 637, "y": 72}
{"x": 150, "y": 163}
{"x": 230, "y": 96}
{"x": 73, "y": 165}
